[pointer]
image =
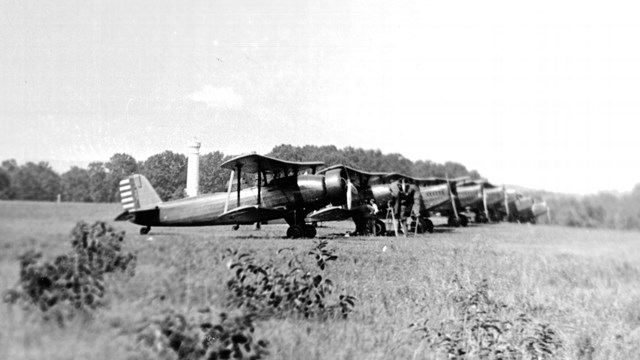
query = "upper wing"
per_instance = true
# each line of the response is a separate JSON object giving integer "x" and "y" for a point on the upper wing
{"x": 361, "y": 179}
{"x": 250, "y": 214}
{"x": 253, "y": 163}
{"x": 330, "y": 213}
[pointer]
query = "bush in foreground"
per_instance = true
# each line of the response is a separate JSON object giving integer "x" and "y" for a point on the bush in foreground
{"x": 270, "y": 290}
{"x": 73, "y": 282}
{"x": 175, "y": 335}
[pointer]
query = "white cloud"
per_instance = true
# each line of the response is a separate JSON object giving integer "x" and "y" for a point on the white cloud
{"x": 218, "y": 97}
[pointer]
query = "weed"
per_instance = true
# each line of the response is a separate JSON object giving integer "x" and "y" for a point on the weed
{"x": 294, "y": 289}
{"x": 485, "y": 328}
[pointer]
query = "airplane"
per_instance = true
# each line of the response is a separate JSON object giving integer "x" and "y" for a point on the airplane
{"x": 520, "y": 208}
{"x": 362, "y": 188}
{"x": 281, "y": 192}
{"x": 480, "y": 197}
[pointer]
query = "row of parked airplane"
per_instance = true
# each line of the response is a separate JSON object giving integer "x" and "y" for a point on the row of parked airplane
{"x": 302, "y": 195}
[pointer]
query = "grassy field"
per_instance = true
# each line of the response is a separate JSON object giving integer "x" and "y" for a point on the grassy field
{"x": 582, "y": 283}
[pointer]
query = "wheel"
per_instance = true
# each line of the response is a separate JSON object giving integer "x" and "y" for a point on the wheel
{"x": 428, "y": 225}
{"x": 532, "y": 220}
{"x": 309, "y": 231}
{"x": 295, "y": 232}
{"x": 380, "y": 227}
{"x": 145, "y": 230}
{"x": 453, "y": 222}
{"x": 235, "y": 227}
{"x": 464, "y": 220}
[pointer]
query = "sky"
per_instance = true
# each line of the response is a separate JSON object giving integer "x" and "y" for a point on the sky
{"x": 542, "y": 94}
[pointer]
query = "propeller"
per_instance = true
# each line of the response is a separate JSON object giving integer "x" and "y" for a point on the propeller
{"x": 351, "y": 190}
{"x": 484, "y": 201}
{"x": 453, "y": 199}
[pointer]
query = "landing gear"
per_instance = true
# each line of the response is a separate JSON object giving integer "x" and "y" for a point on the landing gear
{"x": 422, "y": 224}
{"x": 299, "y": 231}
{"x": 145, "y": 230}
{"x": 235, "y": 227}
{"x": 295, "y": 232}
{"x": 481, "y": 218}
{"x": 309, "y": 231}
{"x": 464, "y": 220}
{"x": 380, "y": 227}
{"x": 428, "y": 226}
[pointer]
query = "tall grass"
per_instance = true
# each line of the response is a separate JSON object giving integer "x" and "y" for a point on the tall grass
{"x": 583, "y": 283}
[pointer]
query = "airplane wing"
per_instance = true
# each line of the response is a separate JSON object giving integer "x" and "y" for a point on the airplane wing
{"x": 249, "y": 214}
{"x": 362, "y": 179}
{"x": 330, "y": 213}
{"x": 253, "y": 163}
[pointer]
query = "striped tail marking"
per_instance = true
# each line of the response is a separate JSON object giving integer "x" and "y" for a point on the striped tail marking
{"x": 126, "y": 194}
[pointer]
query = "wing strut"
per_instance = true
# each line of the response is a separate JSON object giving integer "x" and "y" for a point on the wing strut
{"x": 506, "y": 201}
{"x": 453, "y": 200}
{"x": 259, "y": 184}
{"x": 226, "y": 204}
{"x": 238, "y": 185}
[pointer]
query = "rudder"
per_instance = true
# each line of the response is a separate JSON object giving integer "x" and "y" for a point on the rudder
{"x": 136, "y": 193}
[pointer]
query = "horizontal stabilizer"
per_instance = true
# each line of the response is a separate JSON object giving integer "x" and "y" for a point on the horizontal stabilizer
{"x": 251, "y": 214}
{"x": 146, "y": 215}
{"x": 125, "y": 216}
{"x": 330, "y": 213}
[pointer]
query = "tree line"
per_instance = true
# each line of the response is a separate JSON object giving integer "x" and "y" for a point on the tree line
{"x": 602, "y": 210}
{"x": 167, "y": 172}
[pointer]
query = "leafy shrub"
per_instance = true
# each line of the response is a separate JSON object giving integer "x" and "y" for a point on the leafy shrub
{"x": 485, "y": 328}
{"x": 231, "y": 338}
{"x": 75, "y": 279}
{"x": 270, "y": 290}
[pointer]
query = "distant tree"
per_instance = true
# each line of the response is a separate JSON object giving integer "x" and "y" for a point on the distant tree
{"x": 212, "y": 177}
{"x": 99, "y": 190}
{"x": 76, "y": 185}
{"x": 36, "y": 182}
{"x": 119, "y": 167}
{"x": 167, "y": 173}
{"x": 10, "y": 165}
{"x": 9, "y": 168}
{"x": 5, "y": 184}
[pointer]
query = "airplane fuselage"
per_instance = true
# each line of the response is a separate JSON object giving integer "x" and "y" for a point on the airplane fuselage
{"x": 302, "y": 193}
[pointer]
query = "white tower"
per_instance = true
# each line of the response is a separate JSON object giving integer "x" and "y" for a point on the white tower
{"x": 193, "y": 168}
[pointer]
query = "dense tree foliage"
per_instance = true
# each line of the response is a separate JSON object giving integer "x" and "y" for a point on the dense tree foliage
{"x": 212, "y": 177}
{"x": 35, "y": 182}
{"x": 370, "y": 160}
{"x": 76, "y": 185}
{"x": 603, "y": 210}
{"x": 99, "y": 190}
{"x": 167, "y": 172}
{"x": 119, "y": 167}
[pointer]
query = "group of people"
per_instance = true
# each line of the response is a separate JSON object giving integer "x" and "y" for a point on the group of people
{"x": 405, "y": 204}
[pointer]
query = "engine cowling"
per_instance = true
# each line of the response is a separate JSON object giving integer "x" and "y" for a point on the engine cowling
{"x": 336, "y": 186}
{"x": 312, "y": 189}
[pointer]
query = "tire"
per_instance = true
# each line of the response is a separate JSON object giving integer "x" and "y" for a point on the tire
{"x": 428, "y": 225}
{"x": 380, "y": 227}
{"x": 295, "y": 232}
{"x": 145, "y": 230}
{"x": 309, "y": 231}
{"x": 464, "y": 220}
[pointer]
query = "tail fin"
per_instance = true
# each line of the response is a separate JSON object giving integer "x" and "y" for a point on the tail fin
{"x": 136, "y": 193}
